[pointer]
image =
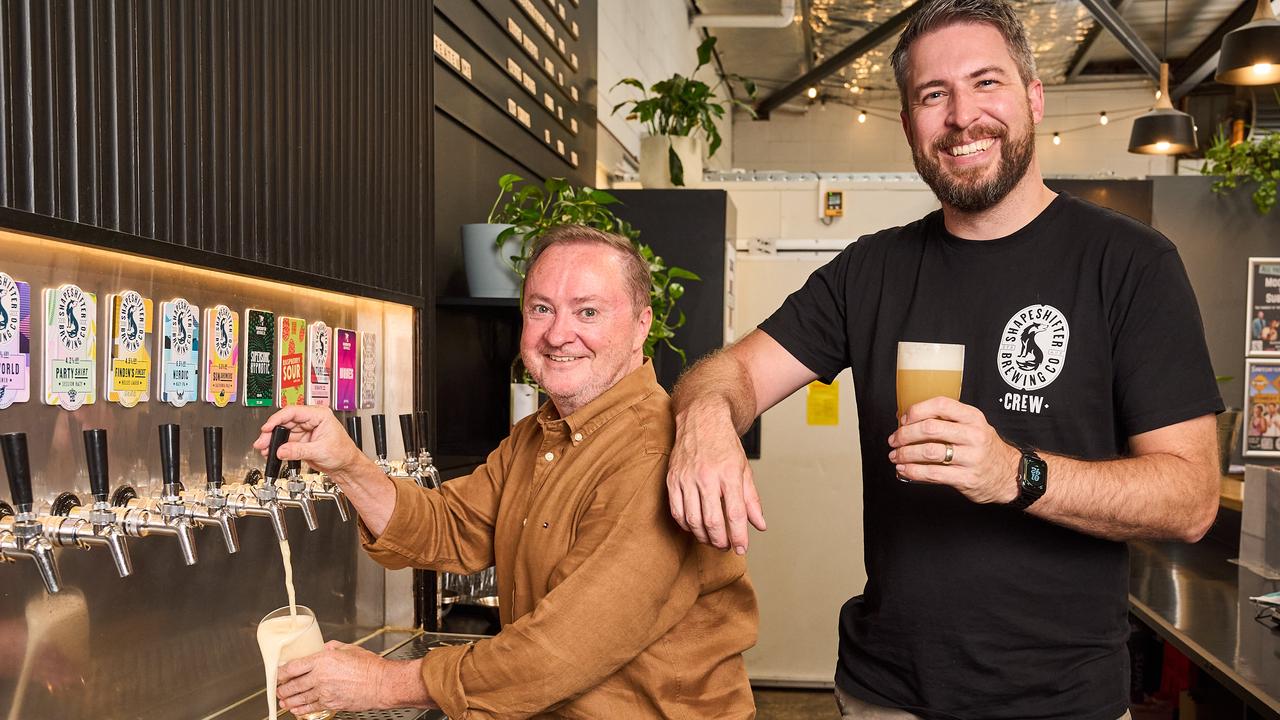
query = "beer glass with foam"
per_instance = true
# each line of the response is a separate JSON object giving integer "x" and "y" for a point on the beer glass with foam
{"x": 928, "y": 370}
{"x": 283, "y": 636}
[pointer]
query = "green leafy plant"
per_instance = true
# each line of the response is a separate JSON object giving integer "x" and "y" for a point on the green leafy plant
{"x": 1251, "y": 161}
{"x": 681, "y": 106}
{"x": 532, "y": 209}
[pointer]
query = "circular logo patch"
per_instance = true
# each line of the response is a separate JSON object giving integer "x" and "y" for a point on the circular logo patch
{"x": 1033, "y": 347}
{"x": 71, "y": 317}
{"x": 183, "y": 328}
{"x": 223, "y": 332}
{"x": 132, "y": 321}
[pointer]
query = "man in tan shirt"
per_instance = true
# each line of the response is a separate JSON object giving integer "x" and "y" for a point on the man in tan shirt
{"x": 608, "y": 609}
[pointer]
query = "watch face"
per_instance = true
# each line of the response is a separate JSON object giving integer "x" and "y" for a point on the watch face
{"x": 1035, "y": 475}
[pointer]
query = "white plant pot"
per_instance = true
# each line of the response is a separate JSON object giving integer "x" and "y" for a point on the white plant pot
{"x": 488, "y": 275}
{"x": 655, "y": 170}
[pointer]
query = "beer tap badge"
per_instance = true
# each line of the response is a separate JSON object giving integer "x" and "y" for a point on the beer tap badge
{"x": 368, "y": 370}
{"x": 128, "y": 366}
{"x": 180, "y": 354}
{"x": 260, "y": 358}
{"x": 319, "y": 348}
{"x": 344, "y": 369}
{"x": 15, "y": 341}
{"x": 291, "y": 347}
{"x": 70, "y": 325}
{"x": 222, "y": 355}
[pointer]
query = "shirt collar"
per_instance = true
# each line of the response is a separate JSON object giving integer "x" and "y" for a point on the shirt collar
{"x": 634, "y": 387}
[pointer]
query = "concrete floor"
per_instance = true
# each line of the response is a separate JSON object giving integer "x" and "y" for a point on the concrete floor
{"x": 773, "y": 704}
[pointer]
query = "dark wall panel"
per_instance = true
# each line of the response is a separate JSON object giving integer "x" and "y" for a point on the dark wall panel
{"x": 290, "y": 132}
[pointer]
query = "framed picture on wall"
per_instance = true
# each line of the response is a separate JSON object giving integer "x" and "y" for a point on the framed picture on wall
{"x": 1262, "y": 328}
{"x": 1261, "y": 426}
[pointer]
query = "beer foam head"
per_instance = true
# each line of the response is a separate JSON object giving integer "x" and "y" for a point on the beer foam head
{"x": 930, "y": 356}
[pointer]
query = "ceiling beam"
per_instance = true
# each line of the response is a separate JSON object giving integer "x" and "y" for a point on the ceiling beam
{"x": 869, "y": 41}
{"x": 1106, "y": 15}
{"x": 1203, "y": 61}
{"x": 1081, "y": 58}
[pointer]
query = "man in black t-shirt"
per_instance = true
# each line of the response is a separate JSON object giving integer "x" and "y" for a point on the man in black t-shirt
{"x": 997, "y": 572}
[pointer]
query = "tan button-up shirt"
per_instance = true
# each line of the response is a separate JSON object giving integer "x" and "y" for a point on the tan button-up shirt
{"x": 609, "y": 610}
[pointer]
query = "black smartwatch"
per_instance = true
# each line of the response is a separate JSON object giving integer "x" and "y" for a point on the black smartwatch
{"x": 1033, "y": 479}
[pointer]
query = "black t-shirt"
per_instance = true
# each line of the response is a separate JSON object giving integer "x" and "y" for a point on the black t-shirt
{"x": 1080, "y": 330}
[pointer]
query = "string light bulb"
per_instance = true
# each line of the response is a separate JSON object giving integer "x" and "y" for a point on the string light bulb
{"x": 1102, "y": 118}
{"x": 1057, "y": 139}
{"x": 862, "y": 116}
{"x": 812, "y": 92}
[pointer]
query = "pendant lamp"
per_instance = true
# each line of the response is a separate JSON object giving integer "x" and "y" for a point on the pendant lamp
{"x": 1164, "y": 130}
{"x": 1250, "y": 54}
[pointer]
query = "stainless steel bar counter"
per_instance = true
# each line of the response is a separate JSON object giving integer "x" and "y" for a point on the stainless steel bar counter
{"x": 1196, "y": 599}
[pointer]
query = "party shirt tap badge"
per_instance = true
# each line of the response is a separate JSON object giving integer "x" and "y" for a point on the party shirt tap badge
{"x": 15, "y": 341}
{"x": 319, "y": 350}
{"x": 180, "y": 352}
{"x": 128, "y": 365}
{"x": 291, "y": 346}
{"x": 222, "y": 355}
{"x": 344, "y": 369}
{"x": 70, "y": 357}
{"x": 260, "y": 358}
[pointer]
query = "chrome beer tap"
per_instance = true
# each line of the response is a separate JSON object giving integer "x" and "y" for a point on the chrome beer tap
{"x": 380, "y": 442}
{"x": 73, "y": 525}
{"x": 257, "y": 496}
{"x": 409, "y": 438}
{"x": 175, "y": 517}
{"x": 22, "y": 535}
{"x": 299, "y": 493}
{"x": 426, "y": 466}
{"x": 211, "y": 507}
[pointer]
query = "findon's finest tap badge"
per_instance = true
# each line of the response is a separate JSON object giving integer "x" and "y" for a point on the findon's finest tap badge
{"x": 128, "y": 365}
{"x": 15, "y": 341}
{"x": 180, "y": 376}
{"x": 222, "y": 355}
{"x": 70, "y": 325}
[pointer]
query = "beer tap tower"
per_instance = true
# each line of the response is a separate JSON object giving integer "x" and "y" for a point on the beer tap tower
{"x": 22, "y": 535}
{"x": 212, "y": 507}
{"x": 175, "y": 515}
{"x": 73, "y": 525}
{"x": 380, "y": 442}
{"x": 426, "y": 465}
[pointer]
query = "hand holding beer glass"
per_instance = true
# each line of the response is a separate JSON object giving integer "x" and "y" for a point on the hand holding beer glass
{"x": 928, "y": 370}
{"x": 284, "y": 636}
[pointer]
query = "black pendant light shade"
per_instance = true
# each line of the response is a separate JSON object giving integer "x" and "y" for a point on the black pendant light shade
{"x": 1164, "y": 130}
{"x": 1250, "y": 54}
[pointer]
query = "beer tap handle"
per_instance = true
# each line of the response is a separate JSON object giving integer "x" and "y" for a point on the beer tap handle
{"x": 279, "y": 436}
{"x": 380, "y": 435}
{"x": 19, "y": 469}
{"x": 170, "y": 458}
{"x": 294, "y": 467}
{"x": 407, "y": 435}
{"x": 353, "y": 429}
{"x": 95, "y": 455}
{"x": 423, "y": 423}
{"x": 213, "y": 456}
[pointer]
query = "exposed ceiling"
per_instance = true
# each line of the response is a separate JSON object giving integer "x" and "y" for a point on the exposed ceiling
{"x": 1058, "y": 29}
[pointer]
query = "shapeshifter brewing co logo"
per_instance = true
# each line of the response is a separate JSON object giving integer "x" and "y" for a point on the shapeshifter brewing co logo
{"x": 10, "y": 308}
{"x": 224, "y": 332}
{"x": 1033, "y": 347}
{"x": 72, "y": 317}
{"x": 132, "y": 321}
{"x": 184, "y": 326}
{"x": 320, "y": 350}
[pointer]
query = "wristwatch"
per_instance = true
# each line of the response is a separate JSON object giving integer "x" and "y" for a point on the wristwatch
{"x": 1033, "y": 479}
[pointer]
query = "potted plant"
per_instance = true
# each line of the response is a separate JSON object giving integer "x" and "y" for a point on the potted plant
{"x": 672, "y": 111}
{"x": 1256, "y": 161}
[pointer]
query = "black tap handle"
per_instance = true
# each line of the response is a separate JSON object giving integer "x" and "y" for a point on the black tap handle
{"x": 422, "y": 420}
{"x": 213, "y": 455}
{"x": 170, "y": 457}
{"x": 279, "y": 436}
{"x": 380, "y": 435}
{"x": 295, "y": 467}
{"x": 353, "y": 429}
{"x": 95, "y": 455}
{"x": 406, "y": 434}
{"x": 19, "y": 469}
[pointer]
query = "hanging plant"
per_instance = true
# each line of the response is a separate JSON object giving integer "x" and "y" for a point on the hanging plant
{"x": 1251, "y": 161}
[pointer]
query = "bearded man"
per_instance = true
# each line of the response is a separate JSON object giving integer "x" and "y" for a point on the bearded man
{"x": 995, "y": 525}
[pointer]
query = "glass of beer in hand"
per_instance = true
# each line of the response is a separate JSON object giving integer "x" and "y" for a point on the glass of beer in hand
{"x": 928, "y": 370}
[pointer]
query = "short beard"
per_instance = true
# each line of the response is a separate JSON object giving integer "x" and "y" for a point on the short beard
{"x": 973, "y": 196}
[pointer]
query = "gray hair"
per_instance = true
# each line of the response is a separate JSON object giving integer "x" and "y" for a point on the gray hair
{"x": 636, "y": 278}
{"x": 938, "y": 14}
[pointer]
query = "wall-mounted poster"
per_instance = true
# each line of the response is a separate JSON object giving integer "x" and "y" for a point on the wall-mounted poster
{"x": 1262, "y": 329}
{"x": 128, "y": 362}
{"x": 291, "y": 349}
{"x": 179, "y": 352}
{"x": 319, "y": 352}
{"x": 70, "y": 347}
{"x": 1261, "y": 427}
{"x": 15, "y": 341}
{"x": 345, "y": 354}
{"x": 221, "y": 355}
{"x": 260, "y": 358}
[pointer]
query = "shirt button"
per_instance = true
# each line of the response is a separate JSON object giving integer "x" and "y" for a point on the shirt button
{"x": 550, "y": 456}
{"x": 577, "y": 437}
{"x": 524, "y": 522}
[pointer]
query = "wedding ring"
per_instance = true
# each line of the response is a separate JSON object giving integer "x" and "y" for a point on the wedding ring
{"x": 951, "y": 453}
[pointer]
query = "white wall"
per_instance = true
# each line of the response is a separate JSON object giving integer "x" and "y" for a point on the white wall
{"x": 831, "y": 140}
{"x": 650, "y": 40}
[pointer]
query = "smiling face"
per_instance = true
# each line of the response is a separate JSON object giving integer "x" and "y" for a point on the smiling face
{"x": 581, "y": 333}
{"x": 970, "y": 120}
